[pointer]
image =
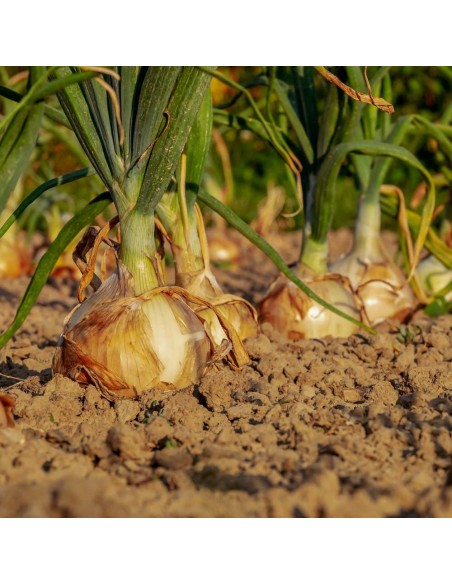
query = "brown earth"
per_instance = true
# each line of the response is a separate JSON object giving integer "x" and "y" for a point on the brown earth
{"x": 356, "y": 427}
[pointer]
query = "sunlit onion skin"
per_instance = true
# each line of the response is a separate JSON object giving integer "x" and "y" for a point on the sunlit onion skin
{"x": 127, "y": 344}
{"x": 434, "y": 276}
{"x": 240, "y": 313}
{"x": 380, "y": 285}
{"x": 193, "y": 273}
{"x": 291, "y": 312}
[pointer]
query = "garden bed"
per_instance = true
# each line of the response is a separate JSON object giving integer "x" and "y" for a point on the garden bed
{"x": 356, "y": 427}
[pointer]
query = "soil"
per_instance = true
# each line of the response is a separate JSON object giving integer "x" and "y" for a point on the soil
{"x": 352, "y": 427}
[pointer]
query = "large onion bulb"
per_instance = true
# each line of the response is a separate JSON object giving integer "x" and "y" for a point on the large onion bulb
{"x": 126, "y": 344}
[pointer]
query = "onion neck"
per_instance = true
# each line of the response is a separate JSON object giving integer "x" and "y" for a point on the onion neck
{"x": 191, "y": 256}
{"x": 186, "y": 246}
{"x": 313, "y": 253}
{"x": 368, "y": 229}
{"x": 138, "y": 251}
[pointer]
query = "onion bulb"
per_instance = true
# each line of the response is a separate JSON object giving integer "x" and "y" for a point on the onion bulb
{"x": 291, "y": 312}
{"x": 238, "y": 312}
{"x": 223, "y": 250}
{"x": 126, "y": 344}
{"x": 380, "y": 285}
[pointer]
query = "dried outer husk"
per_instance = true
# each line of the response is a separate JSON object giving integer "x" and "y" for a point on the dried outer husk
{"x": 7, "y": 403}
{"x": 291, "y": 312}
{"x": 380, "y": 285}
{"x": 85, "y": 256}
{"x": 239, "y": 312}
{"x": 126, "y": 344}
{"x": 378, "y": 102}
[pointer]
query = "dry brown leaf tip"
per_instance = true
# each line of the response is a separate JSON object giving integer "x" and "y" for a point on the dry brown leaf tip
{"x": 378, "y": 102}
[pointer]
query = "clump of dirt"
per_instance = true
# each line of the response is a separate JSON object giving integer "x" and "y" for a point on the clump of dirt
{"x": 355, "y": 427}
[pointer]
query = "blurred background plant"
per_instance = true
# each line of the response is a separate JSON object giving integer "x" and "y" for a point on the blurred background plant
{"x": 37, "y": 136}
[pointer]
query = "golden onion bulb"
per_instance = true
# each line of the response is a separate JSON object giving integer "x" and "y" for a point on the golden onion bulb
{"x": 240, "y": 313}
{"x": 380, "y": 285}
{"x": 291, "y": 312}
{"x": 126, "y": 344}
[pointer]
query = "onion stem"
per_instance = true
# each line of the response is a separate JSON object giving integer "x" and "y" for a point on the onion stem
{"x": 313, "y": 255}
{"x": 368, "y": 225}
{"x": 138, "y": 251}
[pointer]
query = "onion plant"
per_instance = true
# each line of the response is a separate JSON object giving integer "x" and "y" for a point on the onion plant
{"x": 381, "y": 284}
{"x": 134, "y": 332}
{"x": 325, "y": 137}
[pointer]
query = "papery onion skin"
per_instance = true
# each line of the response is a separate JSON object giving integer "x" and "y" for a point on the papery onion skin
{"x": 240, "y": 313}
{"x": 380, "y": 285}
{"x": 291, "y": 312}
{"x": 122, "y": 345}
